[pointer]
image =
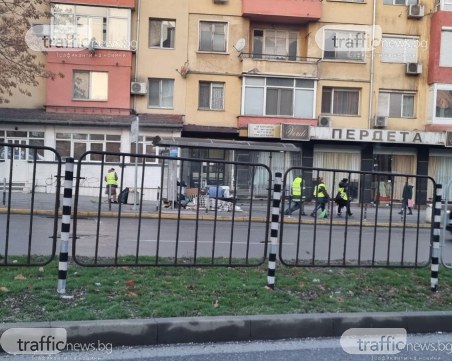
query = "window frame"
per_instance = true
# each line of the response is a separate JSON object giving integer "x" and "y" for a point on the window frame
{"x": 445, "y": 59}
{"x": 90, "y": 84}
{"x": 161, "y": 82}
{"x": 397, "y": 38}
{"x": 76, "y": 11}
{"x": 347, "y": 33}
{"x": 145, "y": 147}
{"x": 275, "y": 55}
{"x": 32, "y": 137}
{"x": 394, "y": 2}
{"x": 161, "y": 46}
{"x": 77, "y": 139}
{"x": 211, "y": 85}
{"x": 331, "y": 110}
{"x": 434, "y": 109}
{"x": 211, "y": 48}
{"x": 261, "y": 84}
{"x": 391, "y": 94}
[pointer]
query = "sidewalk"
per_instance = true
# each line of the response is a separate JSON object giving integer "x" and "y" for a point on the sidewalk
{"x": 257, "y": 209}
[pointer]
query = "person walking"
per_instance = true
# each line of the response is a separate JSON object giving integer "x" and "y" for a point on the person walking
{"x": 112, "y": 184}
{"x": 296, "y": 196}
{"x": 343, "y": 197}
{"x": 407, "y": 198}
{"x": 321, "y": 198}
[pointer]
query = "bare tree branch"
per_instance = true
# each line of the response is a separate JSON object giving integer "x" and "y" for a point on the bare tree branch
{"x": 20, "y": 68}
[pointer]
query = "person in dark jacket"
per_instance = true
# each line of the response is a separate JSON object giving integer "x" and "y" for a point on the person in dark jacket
{"x": 407, "y": 198}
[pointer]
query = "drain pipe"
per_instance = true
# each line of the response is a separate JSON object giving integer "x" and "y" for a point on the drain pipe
{"x": 372, "y": 65}
{"x": 136, "y": 51}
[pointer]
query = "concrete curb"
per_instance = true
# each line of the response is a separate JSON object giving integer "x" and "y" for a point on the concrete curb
{"x": 155, "y": 331}
{"x": 210, "y": 217}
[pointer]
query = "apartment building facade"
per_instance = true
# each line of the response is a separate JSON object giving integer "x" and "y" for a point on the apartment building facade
{"x": 354, "y": 85}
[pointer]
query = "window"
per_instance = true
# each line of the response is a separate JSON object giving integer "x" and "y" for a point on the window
{"x": 443, "y": 103}
{"x": 161, "y": 93}
{"x": 400, "y": 2}
{"x": 399, "y": 49}
{"x": 344, "y": 45}
{"x": 90, "y": 85}
{"x": 340, "y": 101}
{"x": 279, "y": 97}
{"x": 22, "y": 138}
{"x": 396, "y": 104}
{"x": 445, "y": 59}
{"x": 275, "y": 44}
{"x": 144, "y": 147}
{"x": 211, "y": 95}
{"x": 161, "y": 33}
{"x": 74, "y": 26}
{"x": 76, "y": 144}
{"x": 444, "y": 5}
{"x": 212, "y": 36}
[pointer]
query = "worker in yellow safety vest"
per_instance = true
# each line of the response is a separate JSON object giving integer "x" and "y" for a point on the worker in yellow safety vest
{"x": 321, "y": 198}
{"x": 112, "y": 183}
{"x": 342, "y": 197}
{"x": 296, "y": 196}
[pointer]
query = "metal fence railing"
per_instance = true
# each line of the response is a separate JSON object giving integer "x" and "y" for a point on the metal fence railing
{"x": 157, "y": 234}
{"x": 27, "y": 238}
{"x": 383, "y": 231}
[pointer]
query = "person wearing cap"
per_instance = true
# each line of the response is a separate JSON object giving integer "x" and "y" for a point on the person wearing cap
{"x": 343, "y": 197}
{"x": 321, "y": 198}
{"x": 112, "y": 183}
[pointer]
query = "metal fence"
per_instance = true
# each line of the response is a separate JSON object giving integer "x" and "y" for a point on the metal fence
{"x": 32, "y": 246}
{"x": 215, "y": 230}
{"x": 381, "y": 232}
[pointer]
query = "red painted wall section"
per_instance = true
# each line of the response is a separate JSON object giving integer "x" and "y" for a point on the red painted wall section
{"x": 437, "y": 74}
{"x": 118, "y": 64}
{"x": 290, "y": 10}
{"x": 113, "y": 3}
{"x": 243, "y": 121}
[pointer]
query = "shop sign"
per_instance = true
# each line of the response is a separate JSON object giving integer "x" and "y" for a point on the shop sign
{"x": 295, "y": 131}
{"x": 264, "y": 130}
{"x": 379, "y": 135}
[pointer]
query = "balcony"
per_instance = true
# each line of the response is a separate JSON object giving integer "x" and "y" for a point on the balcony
{"x": 282, "y": 11}
{"x": 280, "y": 65}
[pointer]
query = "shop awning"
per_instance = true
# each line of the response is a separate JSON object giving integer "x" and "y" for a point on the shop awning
{"x": 229, "y": 144}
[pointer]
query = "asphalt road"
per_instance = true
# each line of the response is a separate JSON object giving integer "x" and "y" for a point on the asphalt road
{"x": 427, "y": 347}
{"x": 304, "y": 243}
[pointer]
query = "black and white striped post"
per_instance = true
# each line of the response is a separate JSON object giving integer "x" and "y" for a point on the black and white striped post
{"x": 274, "y": 231}
{"x": 65, "y": 225}
{"x": 436, "y": 238}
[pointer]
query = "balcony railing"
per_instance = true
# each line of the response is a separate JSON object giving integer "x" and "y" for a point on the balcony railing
{"x": 280, "y": 64}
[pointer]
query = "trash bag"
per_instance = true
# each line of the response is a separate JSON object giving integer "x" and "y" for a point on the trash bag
{"x": 123, "y": 196}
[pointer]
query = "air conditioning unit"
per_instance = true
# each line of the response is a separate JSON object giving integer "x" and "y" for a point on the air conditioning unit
{"x": 40, "y": 30}
{"x": 220, "y": 1}
{"x": 324, "y": 121}
{"x": 380, "y": 121}
{"x": 414, "y": 68}
{"x": 415, "y": 11}
{"x": 138, "y": 88}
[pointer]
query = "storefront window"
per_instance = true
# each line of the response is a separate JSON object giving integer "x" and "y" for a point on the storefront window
{"x": 76, "y": 144}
